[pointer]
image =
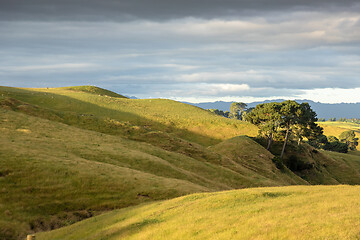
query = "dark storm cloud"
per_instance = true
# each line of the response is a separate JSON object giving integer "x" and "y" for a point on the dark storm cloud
{"x": 93, "y": 10}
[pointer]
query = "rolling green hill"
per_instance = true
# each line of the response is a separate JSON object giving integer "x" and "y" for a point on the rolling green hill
{"x": 67, "y": 154}
{"x": 52, "y": 174}
{"x": 139, "y": 116}
{"x": 296, "y": 212}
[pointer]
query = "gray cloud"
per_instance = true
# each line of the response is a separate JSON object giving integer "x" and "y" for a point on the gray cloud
{"x": 182, "y": 49}
{"x": 114, "y": 10}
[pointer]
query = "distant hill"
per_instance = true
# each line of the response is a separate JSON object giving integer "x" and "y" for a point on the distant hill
{"x": 323, "y": 110}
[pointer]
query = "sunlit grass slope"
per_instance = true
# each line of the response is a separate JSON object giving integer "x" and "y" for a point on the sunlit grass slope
{"x": 139, "y": 115}
{"x": 296, "y": 212}
{"x": 52, "y": 174}
{"x": 94, "y": 90}
{"x": 336, "y": 128}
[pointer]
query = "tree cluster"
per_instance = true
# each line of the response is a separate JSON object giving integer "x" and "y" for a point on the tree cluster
{"x": 220, "y": 112}
{"x": 238, "y": 111}
{"x": 286, "y": 119}
{"x": 329, "y": 143}
{"x": 352, "y": 120}
{"x": 343, "y": 119}
{"x": 347, "y": 140}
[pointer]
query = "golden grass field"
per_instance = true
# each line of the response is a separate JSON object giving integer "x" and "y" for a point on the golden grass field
{"x": 294, "y": 212}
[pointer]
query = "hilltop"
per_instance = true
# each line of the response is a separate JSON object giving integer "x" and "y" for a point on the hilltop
{"x": 71, "y": 153}
{"x": 94, "y": 90}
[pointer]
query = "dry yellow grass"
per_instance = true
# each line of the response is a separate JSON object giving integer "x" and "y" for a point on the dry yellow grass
{"x": 301, "y": 212}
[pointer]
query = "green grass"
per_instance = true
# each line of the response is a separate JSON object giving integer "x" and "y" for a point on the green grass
{"x": 70, "y": 153}
{"x": 143, "y": 115}
{"x": 52, "y": 174}
{"x": 296, "y": 212}
{"x": 93, "y": 90}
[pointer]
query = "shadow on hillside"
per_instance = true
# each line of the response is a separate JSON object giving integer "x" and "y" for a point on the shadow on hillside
{"x": 89, "y": 116}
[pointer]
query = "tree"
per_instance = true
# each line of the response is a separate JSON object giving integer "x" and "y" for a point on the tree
{"x": 298, "y": 118}
{"x": 349, "y": 138}
{"x": 319, "y": 142}
{"x": 289, "y": 117}
{"x": 306, "y": 124}
{"x": 237, "y": 109}
{"x": 267, "y": 117}
{"x": 290, "y": 113}
{"x": 245, "y": 113}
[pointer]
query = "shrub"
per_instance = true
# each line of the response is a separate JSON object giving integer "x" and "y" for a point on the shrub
{"x": 336, "y": 146}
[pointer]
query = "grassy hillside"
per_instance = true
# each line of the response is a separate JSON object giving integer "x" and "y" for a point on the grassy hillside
{"x": 301, "y": 212}
{"x": 336, "y": 128}
{"x": 70, "y": 153}
{"x": 52, "y": 174}
{"x": 86, "y": 109}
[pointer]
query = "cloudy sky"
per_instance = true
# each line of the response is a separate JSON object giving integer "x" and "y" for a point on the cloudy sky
{"x": 203, "y": 50}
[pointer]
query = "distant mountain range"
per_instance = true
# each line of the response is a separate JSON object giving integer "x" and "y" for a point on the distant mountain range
{"x": 323, "y": 110}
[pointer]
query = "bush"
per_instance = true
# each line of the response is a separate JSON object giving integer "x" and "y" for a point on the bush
{"x": 336, "y": 146}
{"x": 329, "y": 143}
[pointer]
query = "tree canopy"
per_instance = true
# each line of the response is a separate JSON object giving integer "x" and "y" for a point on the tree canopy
{"x": 286, "y": 118}
{"x": 349, "y": 138}
{"x": 237, "y": 109}
{"x": 267, "y": 117}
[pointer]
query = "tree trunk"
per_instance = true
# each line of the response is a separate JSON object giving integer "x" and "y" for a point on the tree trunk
{"x": 270, "y": 139}
{"x": 285, "y": 142}
{"x": 299, "y": 141}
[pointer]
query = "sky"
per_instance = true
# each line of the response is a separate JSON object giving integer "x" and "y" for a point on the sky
{"x": 186, "y": 50}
